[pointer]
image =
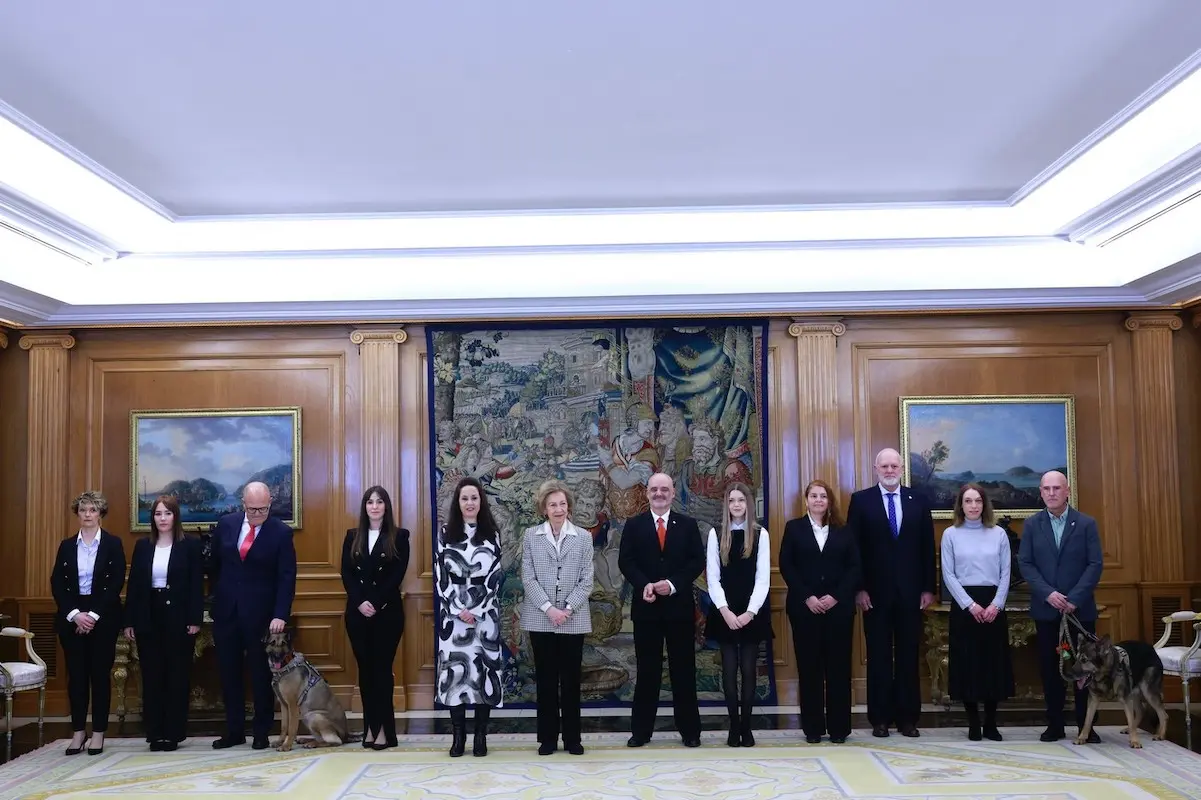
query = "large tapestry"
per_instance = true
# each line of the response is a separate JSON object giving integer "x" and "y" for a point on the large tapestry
{"x": 601, "y": 408}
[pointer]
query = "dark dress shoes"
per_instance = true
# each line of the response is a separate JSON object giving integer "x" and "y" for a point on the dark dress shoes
{"x": 636, "y": 741}
{"x": 228, "y": 741}
{"x": 168, "y": 746}
{"x": 156, "y": 746}
{"x": 734, "y": 740}
{"x": 692, "y": 741}
{"x": 1052, "y": 735}
{"x": 880, "y": 731}
{"x": 74, "y": 751}
{"x": 261, "y": 743}
{"x": 546, "y": 748}
{"x": 838, "y": 740}
{"x": 814, "y": 739}
{"x": 911, "y": 731}
{"x": 576, "y": 749}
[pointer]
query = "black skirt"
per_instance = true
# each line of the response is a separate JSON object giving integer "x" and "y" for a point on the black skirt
{"x": 979, "y": 666}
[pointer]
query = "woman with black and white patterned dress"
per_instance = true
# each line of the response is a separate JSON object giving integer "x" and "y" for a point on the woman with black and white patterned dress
{"x": 467, "y": 578}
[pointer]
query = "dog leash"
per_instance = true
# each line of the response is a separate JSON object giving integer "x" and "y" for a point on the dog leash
{"x": 1066, "y": 651}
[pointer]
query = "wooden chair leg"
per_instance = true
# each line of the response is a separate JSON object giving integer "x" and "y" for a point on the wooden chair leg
{"x": 41, "y": 714}
{"x": 8, "y": 726}
{"x": 1188, "y": 717}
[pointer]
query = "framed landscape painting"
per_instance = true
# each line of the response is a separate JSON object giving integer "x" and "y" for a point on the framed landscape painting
{"x": 1003, "y": 443}
{"x": 204, "y": 457}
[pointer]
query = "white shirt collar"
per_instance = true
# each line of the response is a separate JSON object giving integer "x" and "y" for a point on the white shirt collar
{"x": 95, "y": 540}
{"x": 666, "y": 516}
{"x": 815, "y": 525}
{"x": 885, "y": 492}
{"x": 567, "y": 530}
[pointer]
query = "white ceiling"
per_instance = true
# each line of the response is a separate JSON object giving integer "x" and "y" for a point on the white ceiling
{"x": 278, "y": 106}
{"x": 470, "y": 159}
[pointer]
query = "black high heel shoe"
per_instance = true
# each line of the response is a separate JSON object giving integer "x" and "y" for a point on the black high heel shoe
{"x": 95, "y": 751}
{"x": 74, "y": 751}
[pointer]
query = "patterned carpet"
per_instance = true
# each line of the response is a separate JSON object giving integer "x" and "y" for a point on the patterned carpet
{"x": 942, "y": 763}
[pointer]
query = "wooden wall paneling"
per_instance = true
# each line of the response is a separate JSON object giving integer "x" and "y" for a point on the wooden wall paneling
{"x": 782, "y": 452}
{"x": 14, "y": 464}
{"x": 1087, "y": 356}
{"x": 1187, "y": 373}
{"x": 115, "y": 372}
{"x": 417, "y": 646}
{"x": 47, "y": 492}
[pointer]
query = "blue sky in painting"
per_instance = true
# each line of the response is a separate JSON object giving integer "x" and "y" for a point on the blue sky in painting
{"x": 225, "y": 450}
{"x": 991, "y": 438}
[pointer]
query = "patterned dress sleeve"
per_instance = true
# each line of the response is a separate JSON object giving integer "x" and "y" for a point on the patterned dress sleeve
{"x": 490, "y": 602}
{"x": 451, "y": 602}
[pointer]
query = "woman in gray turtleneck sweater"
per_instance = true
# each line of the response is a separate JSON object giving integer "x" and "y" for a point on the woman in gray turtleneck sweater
{"x": 975, "y": 569}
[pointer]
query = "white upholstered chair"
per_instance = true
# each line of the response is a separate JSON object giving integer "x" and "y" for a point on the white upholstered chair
{"x": 1181, "y": 661}
{"x": 22, "y": 676}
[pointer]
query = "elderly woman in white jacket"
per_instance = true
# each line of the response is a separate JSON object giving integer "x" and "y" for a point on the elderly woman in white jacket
{"x": 556, "y": 572}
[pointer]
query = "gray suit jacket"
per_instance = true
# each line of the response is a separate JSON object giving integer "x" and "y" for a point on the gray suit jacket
{"x": 561, "y": 578}
{"x": 1073, "y": 569}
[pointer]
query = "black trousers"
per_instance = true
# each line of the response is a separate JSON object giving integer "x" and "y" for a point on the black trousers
{"x": 649, "y": 638}
{"x": 240, "y": 646}
{"x": 89, "y": 658}
{"x": 823, "y": 659}
{"x": 374, "y": 642}
{"x": 893, "y": 631}
{"x": 165, "y": 660}
{"x": 558, "y": 662}
{"x": 1053, "y": 684}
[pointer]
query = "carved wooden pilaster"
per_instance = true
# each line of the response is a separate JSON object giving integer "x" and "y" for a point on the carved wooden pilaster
{"x": 379, "y": 354}
{"x": 1161, "y": 536}
{"x": 47, "y": 494}
{"x": 817, "y": 397}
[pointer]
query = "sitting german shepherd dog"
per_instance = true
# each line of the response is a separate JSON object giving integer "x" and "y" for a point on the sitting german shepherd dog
{"x": 303, "y": 695}
{"x": 1128, "y": 672}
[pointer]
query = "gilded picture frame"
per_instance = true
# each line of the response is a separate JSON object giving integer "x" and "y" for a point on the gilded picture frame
{"x": 204, "y": 457}
{"x": 1003, "y": 442}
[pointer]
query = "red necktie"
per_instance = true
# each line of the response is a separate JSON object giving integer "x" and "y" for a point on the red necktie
{"x": 249, "y": 540}
{"x": 662, "y": 533}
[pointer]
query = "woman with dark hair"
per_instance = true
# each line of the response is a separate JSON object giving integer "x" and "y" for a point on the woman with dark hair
{"x": 375, "y": 557}
{"x": 738, "y": 574}
{"x": 89, "y": 571}
{"x": 469, "y": 666}
{"x": 819, "y": 560}
{"x": 975, "y": 569}
{"x": 163, "y": 611}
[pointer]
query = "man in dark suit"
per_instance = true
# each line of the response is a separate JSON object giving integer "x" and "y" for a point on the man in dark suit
{"x": 254, "y": 574}
{"x": 895, "y": 531}
{"x": 661, "y": 555}
{"x": 1060, "y": 557}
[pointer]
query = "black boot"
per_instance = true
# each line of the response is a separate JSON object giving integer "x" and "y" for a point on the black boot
{"x": 990, "y": 722}
{"x": 744, "y": 730}
{"x": 973, "y": 721}
{"x": 480, "y": 746}
{"x": 458, "y": 727}
{"x": 733, "y": 739}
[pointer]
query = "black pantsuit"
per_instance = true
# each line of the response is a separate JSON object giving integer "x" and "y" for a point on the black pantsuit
{"x": 669, "y": 620}
{"x": 558, "y": 657}
{"x": 89, "y": 656}
{"x": 1047, "y": 636}
{"x": 375, "y": 578}
{"x": 822, "y": 640}
{"x": 160, "y": 619}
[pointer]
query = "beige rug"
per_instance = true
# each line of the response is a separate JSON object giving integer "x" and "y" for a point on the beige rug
{"x": 941, "y": 764}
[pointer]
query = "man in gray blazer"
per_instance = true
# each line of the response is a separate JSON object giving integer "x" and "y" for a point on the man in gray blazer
{"x": 1060, "y": 557}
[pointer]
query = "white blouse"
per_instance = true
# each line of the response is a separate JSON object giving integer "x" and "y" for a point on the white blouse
{"x": 158, "y": 570}
{"x": 762, "y": 572}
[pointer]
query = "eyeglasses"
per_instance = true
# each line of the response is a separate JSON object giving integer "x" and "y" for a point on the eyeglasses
{"x": 257, "y": 509}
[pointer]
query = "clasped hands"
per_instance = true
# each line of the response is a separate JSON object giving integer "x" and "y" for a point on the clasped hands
{"x": 736, "y": 621}
{"x": 661, "y": 588}
{"x": 558, "y": 615}
{"x": 820, "y": 605}
{"x": 983, "y": 614}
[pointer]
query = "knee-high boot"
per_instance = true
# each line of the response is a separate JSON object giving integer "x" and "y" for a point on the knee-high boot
{"x": 458, "y": 727}
{"x": 480, "y": 746}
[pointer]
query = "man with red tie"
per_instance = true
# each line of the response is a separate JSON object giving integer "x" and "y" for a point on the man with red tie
{"x": 661, "y": 554}
{"x": 254, "y": 579}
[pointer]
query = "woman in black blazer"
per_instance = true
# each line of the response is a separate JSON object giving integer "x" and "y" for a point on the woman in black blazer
{"x": 163, "y": 611}
{"x": 375, "y": 557}
{"x": 819, "y": 560}
{"x": 86, "y": 582}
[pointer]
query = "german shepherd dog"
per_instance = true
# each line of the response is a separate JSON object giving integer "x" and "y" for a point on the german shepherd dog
{"x": 303, "y": 695}
{"x": 1128, "y": 672}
